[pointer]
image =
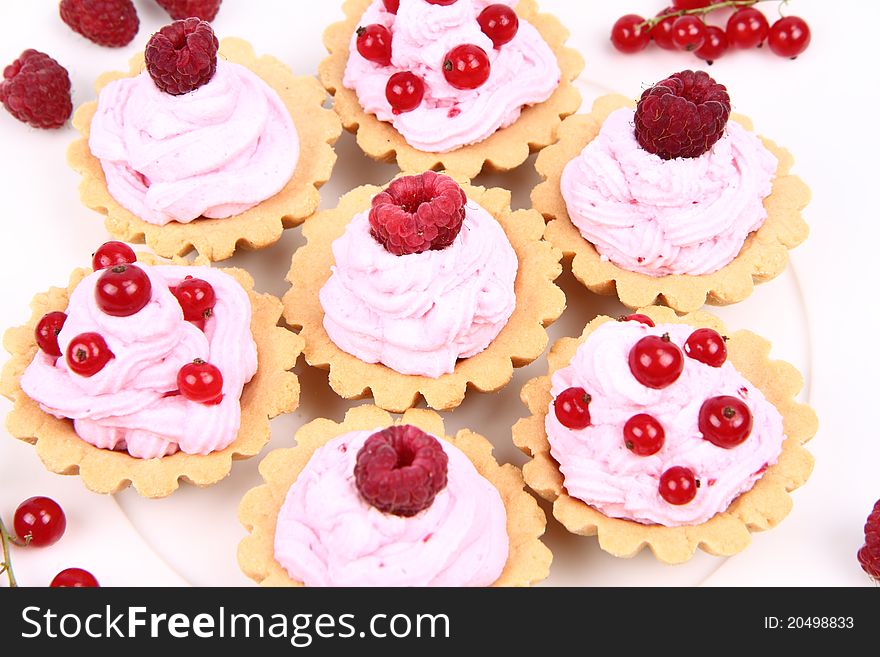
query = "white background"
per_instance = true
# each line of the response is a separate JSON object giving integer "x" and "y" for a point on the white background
{"x": 819, "y": 314}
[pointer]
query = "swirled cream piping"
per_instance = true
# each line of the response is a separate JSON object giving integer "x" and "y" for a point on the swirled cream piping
{"x": 132, "y": 403}
{"x": 327, "y": 535}
{"x": 600, "y": 470}
{"x": 214, "y": 152}
{"x": 661, "y": 217}
{"x": 524, "y": 72}
{"x": 419, "y": 313}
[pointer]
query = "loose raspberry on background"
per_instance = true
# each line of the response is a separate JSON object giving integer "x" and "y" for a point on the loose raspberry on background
{"x": 418, "y": 213}
{"x": 682, "y": 116}
{"x": 180, "y": 9}
{"x": 182, "y": 56}
{"x": 36, "y": 90}
{"x": 112, "y": 23}
{"x": 400, "y": 470}
{"x": 869, "y": 554}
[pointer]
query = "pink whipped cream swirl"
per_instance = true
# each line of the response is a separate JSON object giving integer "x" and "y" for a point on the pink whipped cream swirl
{"x": 327, "y": 535}
{"x": 661, "y": 217}
{"x": 524, "y": 72}
{"x": 600, "y": 470}
{"x": 419, "y": 313}
{"x": 214, "y": 152}
{"x": 131, "y": 404}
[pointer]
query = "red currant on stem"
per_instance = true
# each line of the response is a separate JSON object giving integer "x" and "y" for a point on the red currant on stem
{"x": 391, "y": 5}
{"x": 690, "y": 4}
{"x": 112, "y": 253}
{"x": 445, "y": 3}
{"x": 637, "y": 317}
{"x": 656, "y": 362}
{"x": 39, "y": 521}
{"x": 789, "y": 36}
{"x": 47, "y": 330}
{"x": 725, "y": 421}
{"x": 404, "y": 92}
{"x": 714, "y": 46}
{"x": 678, "y": 485}
{"x": 74, "y": 578}
{"x": 630, "y": 34}
{"x": 201, "y": 382}
{"x": 707, "y": 346}
{"x": 123, "y": 290}
{"x": 661, "y": 33}
{"x": 374, "y": 44}
{"x": 688, "y": 33}
{"x": 747, "y": 28}
{"x": 466, "y": 66}
{"x": 196, "y": 298}
{"x": 572, "y": 408}
{"x": 643, "y": 435}
{"x": 87, "y": 354}
{"x": 500, "y": 23}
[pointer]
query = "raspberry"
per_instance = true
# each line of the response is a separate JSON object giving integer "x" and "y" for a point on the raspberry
{"x": 182, "y": 57}
{"x": 418, "y": 213}
{"x": 400, "y": 469}
{"x": 180, "y": 9}
{"x": 682, "y": 116}
{"x": 36, "y": 90}
{"x": 111, "y": 23}
{"x": 869, "y": 555}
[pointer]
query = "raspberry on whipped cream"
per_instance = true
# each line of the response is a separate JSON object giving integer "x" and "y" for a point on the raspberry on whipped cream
{"x": 419, "y": 313}
{"x": 523, "y": 72}
{"x": 132, "y": 402}
{"x": 327, "y": 534}
{"x": 664, "y": 217}
{"x": 610, "y": 464}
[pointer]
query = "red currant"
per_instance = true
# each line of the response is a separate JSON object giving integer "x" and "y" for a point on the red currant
{"x": 629, "y": 34}
{"x": 466, "y": 66}
{"x": 572, "y": 408}
{"x": 678, "y": 485}
{"x": 196, "y": 298}
{"x": 392, "y": 5}
{"x": 747, "y": 28}
{"x": 789, "y": 36}
{"x": 643, "y": 435}
{"x": 123, "y": 290}
{"x": 39, "y": 521}
{"x": 637, "y": 317}
{"x": 404, "y": 92}
{"x": 374, "y": 44}
{"x": 47, "y": 331}
{"x": 445, "y": 3}
{"x": 87, "y": 354}
{"x": 500, "y": 23}
{"x": 688, "y": 33}
{"x": 112, "y": 253}
{"x": 200, "y": 382}
{"x": 725, "y": 421}
{"x": 74, "y": 578}
{"x": 690, "y": 4}
{"x": 661, "y": 33}
{"x": 707, "y": 346}
{"x": 656, "y": 362}
{"x": 714, "y": 46}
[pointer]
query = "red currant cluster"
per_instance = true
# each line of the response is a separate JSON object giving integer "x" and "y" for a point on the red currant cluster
{"x": 40, "y": 522}
{"x": 682, "y": 27}
{"x": 656, "y": 362}
{"x": 465, "y": 66}
{"x": 124, "y": 289}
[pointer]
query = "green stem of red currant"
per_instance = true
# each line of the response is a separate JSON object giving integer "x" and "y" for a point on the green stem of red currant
{"x": 702, "y": 11}
{"x": 6, "y": 539}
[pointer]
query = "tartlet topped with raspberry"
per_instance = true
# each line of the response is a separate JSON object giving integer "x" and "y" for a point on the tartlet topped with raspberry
{"x": 421, "y": 289}
{"x": 672, "y": 200}
{"x": 202, "y": 145}
{"x": 378, "y": 502}
{"x": 457, "y": 85}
